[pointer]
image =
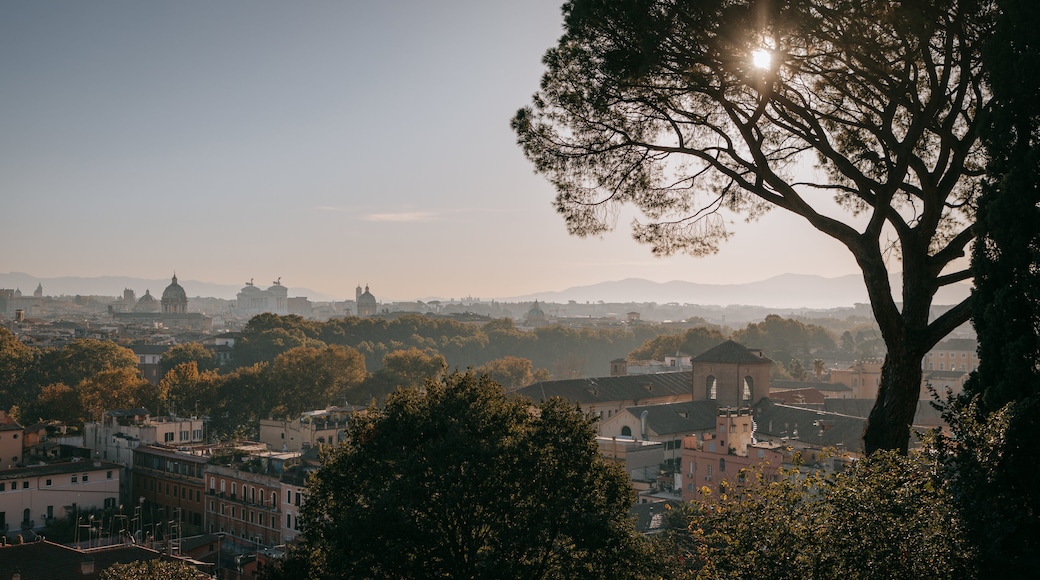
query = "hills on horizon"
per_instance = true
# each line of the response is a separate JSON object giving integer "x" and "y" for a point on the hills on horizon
{"x": 783, "y": 291}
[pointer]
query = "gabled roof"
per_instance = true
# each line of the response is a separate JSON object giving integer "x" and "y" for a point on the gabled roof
{"x": 822, "y": 386}
{"x": 730, "y": 352}
{"x": 807, "y": 396}
{"x": 678, "y": 418}
{"x": 965, "y": 344}
{"x": 45, "y": 560}
{"x": 818, "y": 428}
{"x": 925, "y": 416}
{"x": 605, "y": 389}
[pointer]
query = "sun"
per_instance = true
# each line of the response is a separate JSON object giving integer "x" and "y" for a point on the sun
{"x": 761, "y": 58}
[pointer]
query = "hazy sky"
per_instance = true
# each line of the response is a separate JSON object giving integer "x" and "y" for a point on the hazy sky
{"x": 326, "y": 143}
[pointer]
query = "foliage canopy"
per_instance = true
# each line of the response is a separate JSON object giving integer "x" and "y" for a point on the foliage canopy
{"x": 659, "y": 104}
{"x": 459, "y": 480}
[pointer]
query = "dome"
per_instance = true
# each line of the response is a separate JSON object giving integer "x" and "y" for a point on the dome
{"x": 366, "y": 304}
{"x": 536, "y": 311}
{"x": 174, "y": 299}
{"x": 174, "y": 292}
{"x": 147, "y": 303}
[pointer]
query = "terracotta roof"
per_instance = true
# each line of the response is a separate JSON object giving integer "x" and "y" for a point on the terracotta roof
{"x": 606, "y": 389}
{"x": 45, "y": 560}
{"x": 678, "y": 418}
{"x": 818, "y": 428}
{"x": 731, "y": 352}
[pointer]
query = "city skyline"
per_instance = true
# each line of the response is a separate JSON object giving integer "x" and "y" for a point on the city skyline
{"x": 328, "y": 144}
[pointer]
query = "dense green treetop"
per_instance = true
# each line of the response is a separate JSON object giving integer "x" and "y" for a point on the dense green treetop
{"x": 459, "y": 480}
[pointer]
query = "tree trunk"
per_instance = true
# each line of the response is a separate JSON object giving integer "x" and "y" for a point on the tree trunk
{"x": 889, "y": 424}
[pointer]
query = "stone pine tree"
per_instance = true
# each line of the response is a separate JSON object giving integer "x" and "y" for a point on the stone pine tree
{"x": 996, "y": 422}
{"x": 459, "y": 480}
{"x": 692, "y": 110}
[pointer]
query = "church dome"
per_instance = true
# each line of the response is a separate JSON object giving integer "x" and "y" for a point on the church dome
{"x": 147, "y": 303}
{"x": 174, "y": 292}
{"x": 366, "y": 303}
{"x": 174, "y": 298}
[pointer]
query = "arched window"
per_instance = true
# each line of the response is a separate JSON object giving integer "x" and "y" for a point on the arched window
{"x": 626, "y": 431}
{"x": 749, "y": 384}
{"x": 712, "y": 388}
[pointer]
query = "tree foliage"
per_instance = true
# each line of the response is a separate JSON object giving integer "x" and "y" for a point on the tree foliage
{"x": 512, "y": 372}
{"x": 150, "y": 570}
{"x": 886, "y": 516}
{"x": 194, "y": 352}
{"x": 84, "y": 358}
{"x": 460, "y": 480}
{"x": 992, "y": 468}
{"x": 309, "y": 378}
{"x": 659, "y": 104}
{"x": 693, "y": 342}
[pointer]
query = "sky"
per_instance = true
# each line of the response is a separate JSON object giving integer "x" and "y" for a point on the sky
{"x": 326, "y": 143}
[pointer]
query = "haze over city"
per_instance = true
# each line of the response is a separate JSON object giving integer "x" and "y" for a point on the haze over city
{"x": 327, "y": 144}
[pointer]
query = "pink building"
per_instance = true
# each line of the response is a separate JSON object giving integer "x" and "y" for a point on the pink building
{"x": 716, "y": 463}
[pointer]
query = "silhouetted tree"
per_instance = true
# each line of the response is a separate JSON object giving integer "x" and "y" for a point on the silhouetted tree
{"x": 661, "y": 104}
{"x": 996, "y": 475}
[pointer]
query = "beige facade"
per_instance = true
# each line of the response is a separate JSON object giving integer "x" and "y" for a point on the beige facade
{"x": 863, "y": 377}
{"x": 311, "y": 429}
{"x": 11, "y": 442}
{"x": 32, "y": 496}
{"x": 732, "y": 375}
{"x": 120, "y": 431}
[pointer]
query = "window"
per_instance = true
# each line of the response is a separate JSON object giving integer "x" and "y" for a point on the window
{"x": 47, "y": 483}
{"x": 75, "y": 479}
{"x": 749, "y": 384}
{"x": 184, "y": 435}
{"x": 722, "y": 464}
{"x": 110, "y": 502}
{"x": 108, "y": 475}
{"x": 25, "y": 485}
{"x": 234, "y": 488}
{"x": 168, "y": 437}
{"x": 85, "y": 478}
{"x": 712, "y": 388}
{"x": 626, "y": 431}
{"x": 196, "y": 434}
{"x": 2, "y": 486}
{"x": 50, "y": 512}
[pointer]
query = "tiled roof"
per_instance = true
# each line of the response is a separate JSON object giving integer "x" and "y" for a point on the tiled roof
{"x": 925, "y": 416}
{"x": 818, "y": 385}
{"x": 730, "y": 352}
{"x": 776, "y": 420}
{"x": 967, "y": 344}
{"x": 57, "y": 468}
{"x": 45, "y": 560}
{"x": 605, "y": 389}
{"x": 678, "y": 418}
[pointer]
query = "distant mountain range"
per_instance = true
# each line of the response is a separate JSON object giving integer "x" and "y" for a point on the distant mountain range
{"x": 784, "y": 291}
